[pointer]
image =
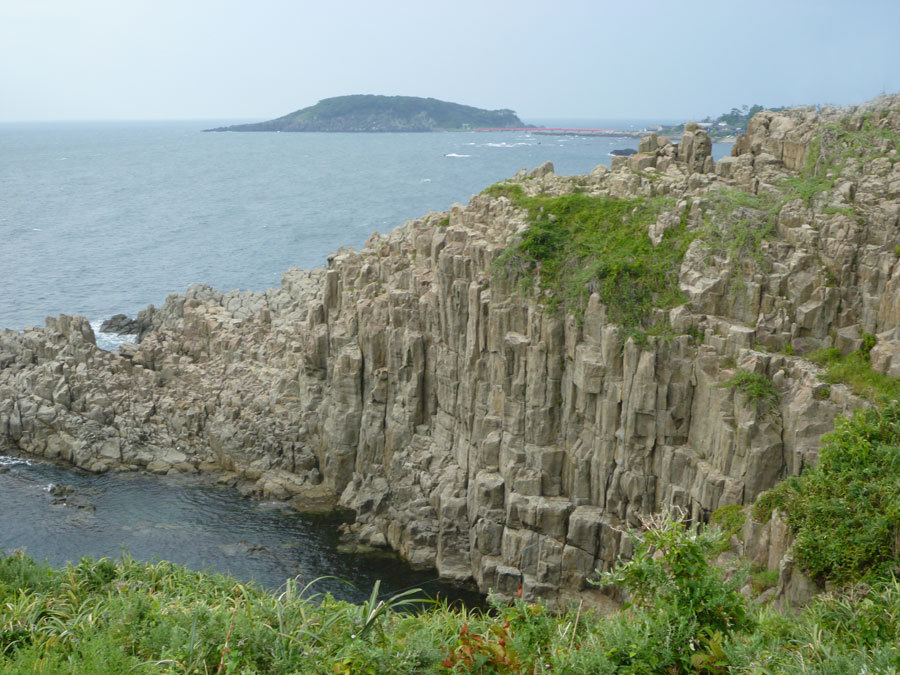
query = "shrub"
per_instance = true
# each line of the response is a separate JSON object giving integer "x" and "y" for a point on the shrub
{"x": 730, "y": 519}
{"x": 855, "y": 371}
{"x": 680, "y": 596}
{"x": 845, "y": 511}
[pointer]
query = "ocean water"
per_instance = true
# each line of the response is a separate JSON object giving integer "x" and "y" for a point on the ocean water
{"x": 104, "y": 218}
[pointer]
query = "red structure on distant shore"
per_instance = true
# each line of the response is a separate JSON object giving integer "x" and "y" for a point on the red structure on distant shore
{"x": 562, "y": 131}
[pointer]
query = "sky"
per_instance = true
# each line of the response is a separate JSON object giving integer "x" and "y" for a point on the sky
{"x": 253, "y": 60}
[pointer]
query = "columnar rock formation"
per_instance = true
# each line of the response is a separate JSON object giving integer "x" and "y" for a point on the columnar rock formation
{"x": 470, "y": 427}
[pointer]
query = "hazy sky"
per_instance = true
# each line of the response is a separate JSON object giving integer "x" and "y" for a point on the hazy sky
{"x": 257, "y": 59}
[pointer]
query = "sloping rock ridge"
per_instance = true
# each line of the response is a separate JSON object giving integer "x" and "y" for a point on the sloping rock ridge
{"x": 468, "y": 424}
{"x": 371, "y": 113}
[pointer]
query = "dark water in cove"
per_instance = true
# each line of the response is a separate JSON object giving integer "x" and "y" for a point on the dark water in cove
{"x": 192, "y": 522}
{"x": 104, "y": 218}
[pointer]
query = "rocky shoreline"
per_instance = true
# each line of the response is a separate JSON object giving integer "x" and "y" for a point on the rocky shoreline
{"x": 470, "y": 427}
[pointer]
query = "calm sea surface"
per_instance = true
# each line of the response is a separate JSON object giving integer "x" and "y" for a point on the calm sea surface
{"x": 104, "y": 218}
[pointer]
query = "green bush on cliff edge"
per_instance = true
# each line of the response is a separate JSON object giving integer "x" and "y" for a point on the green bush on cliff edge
{"x": 845, "y": 511}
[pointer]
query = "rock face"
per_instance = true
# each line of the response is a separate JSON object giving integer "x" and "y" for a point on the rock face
{"x": 467, "y": 425}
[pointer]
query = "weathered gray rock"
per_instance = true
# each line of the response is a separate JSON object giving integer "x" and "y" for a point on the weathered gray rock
{"x": 694, "y": 149}
{"x": 545, "y": 169}
{"x": 649, "y": 144}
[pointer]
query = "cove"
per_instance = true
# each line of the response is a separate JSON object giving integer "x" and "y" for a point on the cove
{"x": 194, "y": 522}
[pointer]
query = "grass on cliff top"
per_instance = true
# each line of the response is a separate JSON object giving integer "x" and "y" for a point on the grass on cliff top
{"x": 737, "y": 221}
{"x": 578, "y": 244}
{"x": 855, "y": 371}
{"x": 832, "y": 150}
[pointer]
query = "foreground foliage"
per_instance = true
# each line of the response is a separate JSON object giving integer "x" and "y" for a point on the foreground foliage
{"x": 130, "y": 617}
{"x": 684, "y": 615}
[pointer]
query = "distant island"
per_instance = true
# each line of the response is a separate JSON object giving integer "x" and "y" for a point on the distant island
{"x": 371, "y": 113}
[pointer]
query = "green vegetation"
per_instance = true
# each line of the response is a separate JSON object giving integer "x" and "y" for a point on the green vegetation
{"x": 739, "y": 117}
{"x": 837, "y": 145}
{"x": 727, "y": 124}
{"x": 822, "y": 394}
{"x": 730, "y": 519}
{"x": 756, "y": 387}
{"x": 679, "y": 596}
{"x": 101, "y": 617}
{"x": 737, "y": 222}
{"x": 364, "y": 112}
{"x": 845, "y": 511}
{"x": 761, "y": 579}
{"x": 855, "y": 371}
{"x": 578, "y": 244}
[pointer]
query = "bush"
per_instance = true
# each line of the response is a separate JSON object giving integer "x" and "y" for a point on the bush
{"x": 681, "y": 598}
{"x": 845, "y": 512}
{"x": 855, "y": 371}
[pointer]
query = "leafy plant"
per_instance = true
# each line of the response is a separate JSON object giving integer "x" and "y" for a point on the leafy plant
{"x": 474, "y": 652}
{"x": 670, "y": 575}
{"x": 730, "y": 519}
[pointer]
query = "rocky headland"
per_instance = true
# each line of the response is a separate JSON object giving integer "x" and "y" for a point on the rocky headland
{"x": 370, "y": 113}
{"x": 485, "y": 410}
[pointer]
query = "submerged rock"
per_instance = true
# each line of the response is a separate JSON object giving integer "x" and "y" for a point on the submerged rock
{"x": 120, "y": 324}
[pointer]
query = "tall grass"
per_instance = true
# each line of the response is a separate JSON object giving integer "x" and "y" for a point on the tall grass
{"x": 130, "y": 617}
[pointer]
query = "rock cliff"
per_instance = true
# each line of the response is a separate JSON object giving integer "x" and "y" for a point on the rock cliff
{"x": 476, "y": 427}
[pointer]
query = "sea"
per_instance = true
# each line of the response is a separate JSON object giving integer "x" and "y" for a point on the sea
{"x": 103, "y": 218}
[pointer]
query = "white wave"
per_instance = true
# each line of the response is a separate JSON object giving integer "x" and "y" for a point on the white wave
{"x": 426, "y": 180}
{"x": 506, "y": 145}
{"x": 13, "y": 461}
{"x": 453, "y": 154}
{"x": 108, "y": 342}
